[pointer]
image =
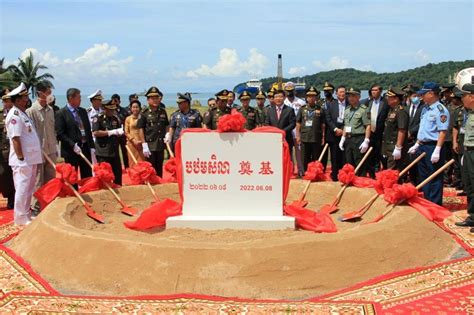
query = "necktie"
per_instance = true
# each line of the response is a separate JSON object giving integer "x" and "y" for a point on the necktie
{"x": 278, "y": 112}
{"x": 413, "y": 109}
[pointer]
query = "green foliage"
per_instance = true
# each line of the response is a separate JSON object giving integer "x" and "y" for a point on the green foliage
{"x": 364, "y": 79}
{"x": 27, "y": 72}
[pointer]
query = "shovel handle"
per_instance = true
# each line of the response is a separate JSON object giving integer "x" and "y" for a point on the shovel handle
{"x": 323, "y": 152}
{"x": 406, "y": 169}
{"x": 305, "y": 190}
{"x": 147, "y": 182}
{"x": 438, "y": 171}
{"x": 363, "y": 160}
{"x": 169, "y": 150}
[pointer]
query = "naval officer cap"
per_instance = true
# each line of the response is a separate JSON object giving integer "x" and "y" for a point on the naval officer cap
{"x": 289, "y": 86}
{"x": 186, "y": 97}
{"x": 260, "y": 95}
{"x": 312, "y": 91}
{"x": 5, "y": 94}
{"x": 222, "y": 95}
{"x": 109, "y": 104}
{"x": 97, "y": 95}
{"x": 153, "y": 91}
{"x": 21, "y": 90}
{"x": 353, "y": 91}
{"x": 244, "y": 95}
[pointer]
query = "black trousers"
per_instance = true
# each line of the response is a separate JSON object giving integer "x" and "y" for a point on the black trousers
{"x": 123, "y": 148}
{"x": 337, "y": 159}
{"x": 468, "y": 181}
{"x": 375, "y": 159}
{"x": 353, "y": 154}
{"x": 448, "y": 173}
{"x": 156, "y": 159}
{"x": 116, "y": 166}
{"x": 310, "y": 152}
{"x": 76, "y": 161}
{"x": 7, "y": 187}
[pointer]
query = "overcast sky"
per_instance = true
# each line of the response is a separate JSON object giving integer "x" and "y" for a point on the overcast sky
{"x": 204, "y": 46}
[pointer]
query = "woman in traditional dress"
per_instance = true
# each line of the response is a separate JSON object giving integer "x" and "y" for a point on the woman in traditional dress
{"x": 132, "y": 133}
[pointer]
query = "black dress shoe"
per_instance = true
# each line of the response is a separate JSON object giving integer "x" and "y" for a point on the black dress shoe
{"x": 471, "y": 230}
{"x": 465, "y": 223}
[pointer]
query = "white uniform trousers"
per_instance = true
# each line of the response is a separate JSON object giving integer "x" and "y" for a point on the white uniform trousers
{"x": 24, "y": 178}
{"x": 44, "y": 173}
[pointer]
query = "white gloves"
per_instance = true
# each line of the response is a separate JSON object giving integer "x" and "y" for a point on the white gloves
{"x": 414, "y": 148}
{"x": 77, "y": 149}
{"x": 146, "y": 150}
{"x": 93, "y": 156}
{"x": 397, "y": 153}
{"x": 364, "y": 146}
{"x": 115, "y": 132}
{"x": 167, "y": 138}
{"x": 435, "y": 155}
{"x": 341, "y": 143}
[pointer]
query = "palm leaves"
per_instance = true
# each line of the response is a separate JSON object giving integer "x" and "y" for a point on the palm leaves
{"x": 27, "y": 72}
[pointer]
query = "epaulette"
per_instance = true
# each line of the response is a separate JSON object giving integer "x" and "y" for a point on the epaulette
{"x": 440, "y": 108}
{"x": 89, "y": 109}
{"x": 16, "y": 112}
{"x": 363, "y": 106}
{"x": 400, "y": 107}
{"x": 145, "y": 109}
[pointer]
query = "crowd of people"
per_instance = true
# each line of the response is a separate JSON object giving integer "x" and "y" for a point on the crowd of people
{"x": 398, "y": 125}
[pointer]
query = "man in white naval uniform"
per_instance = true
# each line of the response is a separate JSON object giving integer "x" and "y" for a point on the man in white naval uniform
{"x": 93, "y": 112}
{"x": 25, "y": 153}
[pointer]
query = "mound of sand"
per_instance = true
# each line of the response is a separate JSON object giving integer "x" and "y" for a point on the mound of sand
{"x": 80, "y": 256}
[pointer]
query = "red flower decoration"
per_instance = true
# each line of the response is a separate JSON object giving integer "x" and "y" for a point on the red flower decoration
{"x": 143, "y": 172}
{"x": 66, "y": 173}
{"x": 104, "y": 172}
{"x": 346, "y": 174}
{"x": 399, "y": 193}
{"x": 314, "y": 172}
{"x": 385, "y": 180}
{"x": 234, "y": 122}
{"x": 170, "y": 166}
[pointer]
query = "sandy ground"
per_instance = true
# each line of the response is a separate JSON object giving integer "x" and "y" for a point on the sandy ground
{"x": 78, "y": 255}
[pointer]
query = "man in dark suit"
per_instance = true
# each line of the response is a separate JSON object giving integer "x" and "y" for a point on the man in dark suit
{"x": 377, "y": 111}
{"x": 282, "y": 117}
{"x": 334, "y": 128}
{"x": 73, "y": 130}
{"x": 414, "y": 106}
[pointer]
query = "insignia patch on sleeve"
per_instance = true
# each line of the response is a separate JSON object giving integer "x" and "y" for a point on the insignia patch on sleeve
{"x": 13, "y": 121}
{"x": 443, "y": 118}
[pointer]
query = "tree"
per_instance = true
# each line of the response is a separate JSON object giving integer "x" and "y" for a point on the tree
{"x": 6, "y": 77}
{"x": 27, "y": 72}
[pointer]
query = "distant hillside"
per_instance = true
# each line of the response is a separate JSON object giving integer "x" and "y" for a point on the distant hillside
{"x": 364, "y": 79}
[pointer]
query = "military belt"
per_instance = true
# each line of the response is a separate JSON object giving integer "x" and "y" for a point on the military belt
{"x": 469, "y": 148}
{"x": 428, "y": 142}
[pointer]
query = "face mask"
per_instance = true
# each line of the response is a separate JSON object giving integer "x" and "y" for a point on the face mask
{"x": 415, "y": 100}
{"x": 291, "y": 94}
{"x": 327, "y": 94}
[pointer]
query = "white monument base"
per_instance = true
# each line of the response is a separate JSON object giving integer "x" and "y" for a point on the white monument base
{"x": 231, "y": 222}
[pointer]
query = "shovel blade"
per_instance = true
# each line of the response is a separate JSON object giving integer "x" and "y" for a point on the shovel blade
{"x": 129, "y": 211}
{"x": 350, "y": 216}
{"x": 376, "y": 219}
{"x": 94, "y": 215}
{"x": 328, "y": 208}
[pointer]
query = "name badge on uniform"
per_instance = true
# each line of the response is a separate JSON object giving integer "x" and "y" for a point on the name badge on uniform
{"x": 348, "y": 129}
{"x": 308, "y": 123}
{"x": 340, "y": 120}
{"x": 83, "y": 132}
{"x": 461, "y": 131}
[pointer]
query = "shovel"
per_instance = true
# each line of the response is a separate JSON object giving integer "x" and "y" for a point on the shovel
{"x": 330, "y": 208}
{"x": 359, "y": 213}
{"x": 423, "y": 183}
{"x": 91, "y": 213}
{"x": 301, "y": 202}
{"x": 125, "y": 209}
{"x": 147, "y": 182}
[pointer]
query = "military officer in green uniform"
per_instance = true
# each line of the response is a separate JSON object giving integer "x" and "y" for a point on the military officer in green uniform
{"x": 270, "y": 94}
{"x": 459, "y": 126}
{"x": 153, "y": 126}
{"x": 468, "y": 158}
{"x": 356, "y": 135}
{"x": 248, "y": 112}
{"x": 7, "y": 187}
{"x": 212, "y": 116}
{"x": 107, "y": 129}
{"x": 394, "y": 139}
{"x": 310, "y": 127}
{"x": 185, "y": 117}
{"x": 261, "y": 108}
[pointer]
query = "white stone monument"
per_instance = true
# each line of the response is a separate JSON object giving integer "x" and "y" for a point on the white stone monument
{"x": 232, "y": 181}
